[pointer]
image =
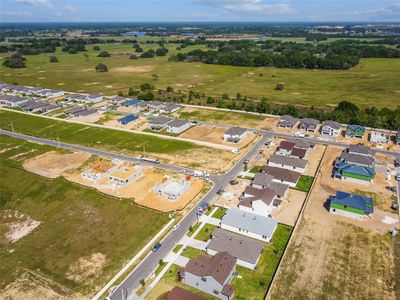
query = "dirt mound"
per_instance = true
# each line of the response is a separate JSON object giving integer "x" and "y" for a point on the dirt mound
{"x": 19, "y": 225}
{"x": 52, "y": 164}
{"x": 131, "y": 69}
{"x": 87, "y": 268}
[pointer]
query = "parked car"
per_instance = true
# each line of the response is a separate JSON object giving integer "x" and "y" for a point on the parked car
{"x": 233, "y": 182}
{"x": 220, "y": 191}
{"x": 395, "y": 206}
{"x": 176, "y": 227}
{"x": 397, "y": 163}
{"x": 246, "y": 161}
{"x": 398, "y": 177}
{"x": 156, "y": 247}
{"x": 261, "y": 151}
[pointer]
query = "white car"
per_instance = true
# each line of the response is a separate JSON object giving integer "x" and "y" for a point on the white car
{"x": 176, "y": 227}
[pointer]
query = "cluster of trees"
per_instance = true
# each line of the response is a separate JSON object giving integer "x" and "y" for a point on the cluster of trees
{"x": 162, "y": 51}
{"x": 104, "y": 54}
{"x": 101, "y": 68}
{"x": 15, "y": 61}
{"x": 73, "y": 47}
{"x": 279, "y": 54}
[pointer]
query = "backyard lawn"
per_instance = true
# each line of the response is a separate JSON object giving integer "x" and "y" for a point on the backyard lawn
{"x": 191, "y": 252}
{"x": 304, "y": 183}
{"x": 205, "y": 232}
{"x": 84, "y": 236}
{"x": 219, "y": 213}
{"x": 254, "y": 284}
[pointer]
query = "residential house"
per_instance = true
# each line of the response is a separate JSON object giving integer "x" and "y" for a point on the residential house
{"x": 235, "y": 135}
{"x": 249, "y": 224}
{"x": 116, "y": 99}
{"x": 211, "y": 275}
{"x": 178, "y": 126}
{"x": 262, "y": 181}
{"x": 178, "y": 293}
{"x": 131, "y": 102}
{"x": 301, "y": 143}
{"x": 281, "y": 175}
{"x": 355, "y": 131}
{"x": 127, "y": 119}
{"x": 76, "y": 97}
{"x": 287, "y": 148}
{"x": 154, "y": 105}
{"x": 158, "y": 123}
{"x": 261, "y": 202}
{"x": 310, "y": 125}
{"x": 72, "y": 111}
{"x": 124, "y": 175}
{"x": 379, "y": 137}
{"x": 351, "y": 172}
{"x": 351, "y": 205}
{"x": 288, "y": 122}
{"x": 49, "y": 107}
{"x": 247, "y": 251}
{"x": 94, "y": 98}
{"x": 331, "y": 128}
{"x": 48, "y": 93}
{"x": 172, "y": 188}
{"x": 360, "y": 150}
{"x": 33, "y": 106}
{"x": 169, "y": 108}
{"x": 12, "y": 101}
{"x": 287, "y": 162}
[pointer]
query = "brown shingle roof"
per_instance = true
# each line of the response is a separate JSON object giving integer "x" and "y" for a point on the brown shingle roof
{"x": 282, "y": 174}
{"x": 286, "y": 145}
{"x": 219, "y": 266}
{"x": 228, "y": 290}
{"x": 297, "y": 152}
{"x": 266, "y": 195}
{"x": 178, "y": 293}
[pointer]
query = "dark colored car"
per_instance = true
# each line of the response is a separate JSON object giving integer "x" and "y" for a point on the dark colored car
{"x": 156, "y": 247}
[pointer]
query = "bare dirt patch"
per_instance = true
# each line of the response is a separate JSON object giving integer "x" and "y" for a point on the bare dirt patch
{"x": 34, "y": 286}
{"x": 53, "y": 164}
{"x": 290, "y": 208}
{"x": 18, "y": 224}
{"x": 230, "y": 198}
{"x": 87, "y": 268}
{"x": 132, "y": 69}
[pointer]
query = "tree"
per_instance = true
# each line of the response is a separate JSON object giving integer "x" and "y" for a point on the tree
{"x": 53, "y": 59}
{"x": 101, "y": 68}
{"x": 162, "y": 51}
{"x": 280, "y": 86}
{"x": 146, "y": 87}
{"x": 138, "y": 49}
{"x": 104, "y": 54}
{"x": 130, "y": 92}
{"x": 225, "y": 96}
{"x": 170, "y": 89}
{"x": 148, "y": 54}
{"x": 15, "y": 61}
{"x": 133, "y": 56}
{"x": 96, "y": 48}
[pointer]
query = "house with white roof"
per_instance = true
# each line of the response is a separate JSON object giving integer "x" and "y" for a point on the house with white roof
{"x": 379, "y": 137}
{"x": 235, "y": 135}
{"x": 330, "y": 128}
{"x": 178, "y": 126}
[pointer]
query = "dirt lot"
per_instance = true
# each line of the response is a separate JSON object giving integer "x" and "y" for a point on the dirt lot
{"x": 139, "y": 124}
{"x": 290, "y": 208}
{"x": 140, "y": 189}
{"x": 52, "y": 164}
{"x": 314, "y": 156}
{"x": 87, "y": 119}
{"x": 334, "y": 257}
{"x": 230, "y": 198}
{"x": 214, "y": 135}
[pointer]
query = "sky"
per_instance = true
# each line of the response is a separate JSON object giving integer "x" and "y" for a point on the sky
{"x": 198, "y": 10}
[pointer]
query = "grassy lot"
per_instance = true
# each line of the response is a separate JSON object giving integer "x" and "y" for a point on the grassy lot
{"x": 88, "y": 135}
{"x": 373, "y": 82}
{"x": 255, "y": 169}
{"x": 205, "y": 232}
{"x": 221, "y": 117}
{"x": 191, "y": 252}
{"x": 76, "y": 223}
{"x": 253, "y": 284}
{"x": 220, "y": 212}
{"x": 304, "y": 183}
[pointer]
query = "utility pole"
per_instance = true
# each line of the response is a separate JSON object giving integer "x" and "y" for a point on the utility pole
{"x": 12, "y": 126}
{"x": 58, "y": 143}
{"x": 144, "y": 151}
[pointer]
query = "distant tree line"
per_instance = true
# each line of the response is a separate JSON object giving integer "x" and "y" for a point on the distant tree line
{"x": 331, "y": 56}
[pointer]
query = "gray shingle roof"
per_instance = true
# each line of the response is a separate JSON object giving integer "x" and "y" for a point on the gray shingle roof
{"x": 282, "y": 174}
{"x": 177, "y": 123}
{"x": 288, "y": 161}
{"x": 239, "y": 246}
{"x": 288, "y": 121}
{"x": 359, "y": 149}
{"x": 159, "y": 120}
{"x": 357, "y": 159}
{"x": 249, "y": 222}
{"x": 233, "y": 131}
{"x": 332, "y": 124}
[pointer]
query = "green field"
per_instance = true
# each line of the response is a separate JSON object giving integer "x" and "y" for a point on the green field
{"x": 373, "y": 82}
{"x": 76, "y": 222}
{"x": 90, "y": 136}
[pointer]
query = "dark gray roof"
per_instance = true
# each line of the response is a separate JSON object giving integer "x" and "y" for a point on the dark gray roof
{"x": 309, "y": 122}
{"x": 249, "y": 222}
{"x": 301, "y": 143}
{"x": 288, "y": 121}
{"x": 13, "y": 99}
{"x": 359, "y": 149}
{"x": 74, "y": 110}
{"x": 117, "y": 98}
{"x": 159, "y": 120}
{"x": 177, "y": 123}
{"x": 288, "y": 161}
{"x": 332, "y": 124}
{"x": 239, "y": 246}
{"x": 170, "y": 106}
{"x": 155, "y": 103}
{"x": 235, "y": 131}
{"x": 357, "y": 159}
{"x": 262, "y": 179}
{"x": 85, "y": 112}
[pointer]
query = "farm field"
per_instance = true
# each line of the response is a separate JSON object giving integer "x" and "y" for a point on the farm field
{"x": 334, "y": 257}
{"x": 167, "y": 150}
{"x": 60, "y": 240}
{"x": 372, "y": 82}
